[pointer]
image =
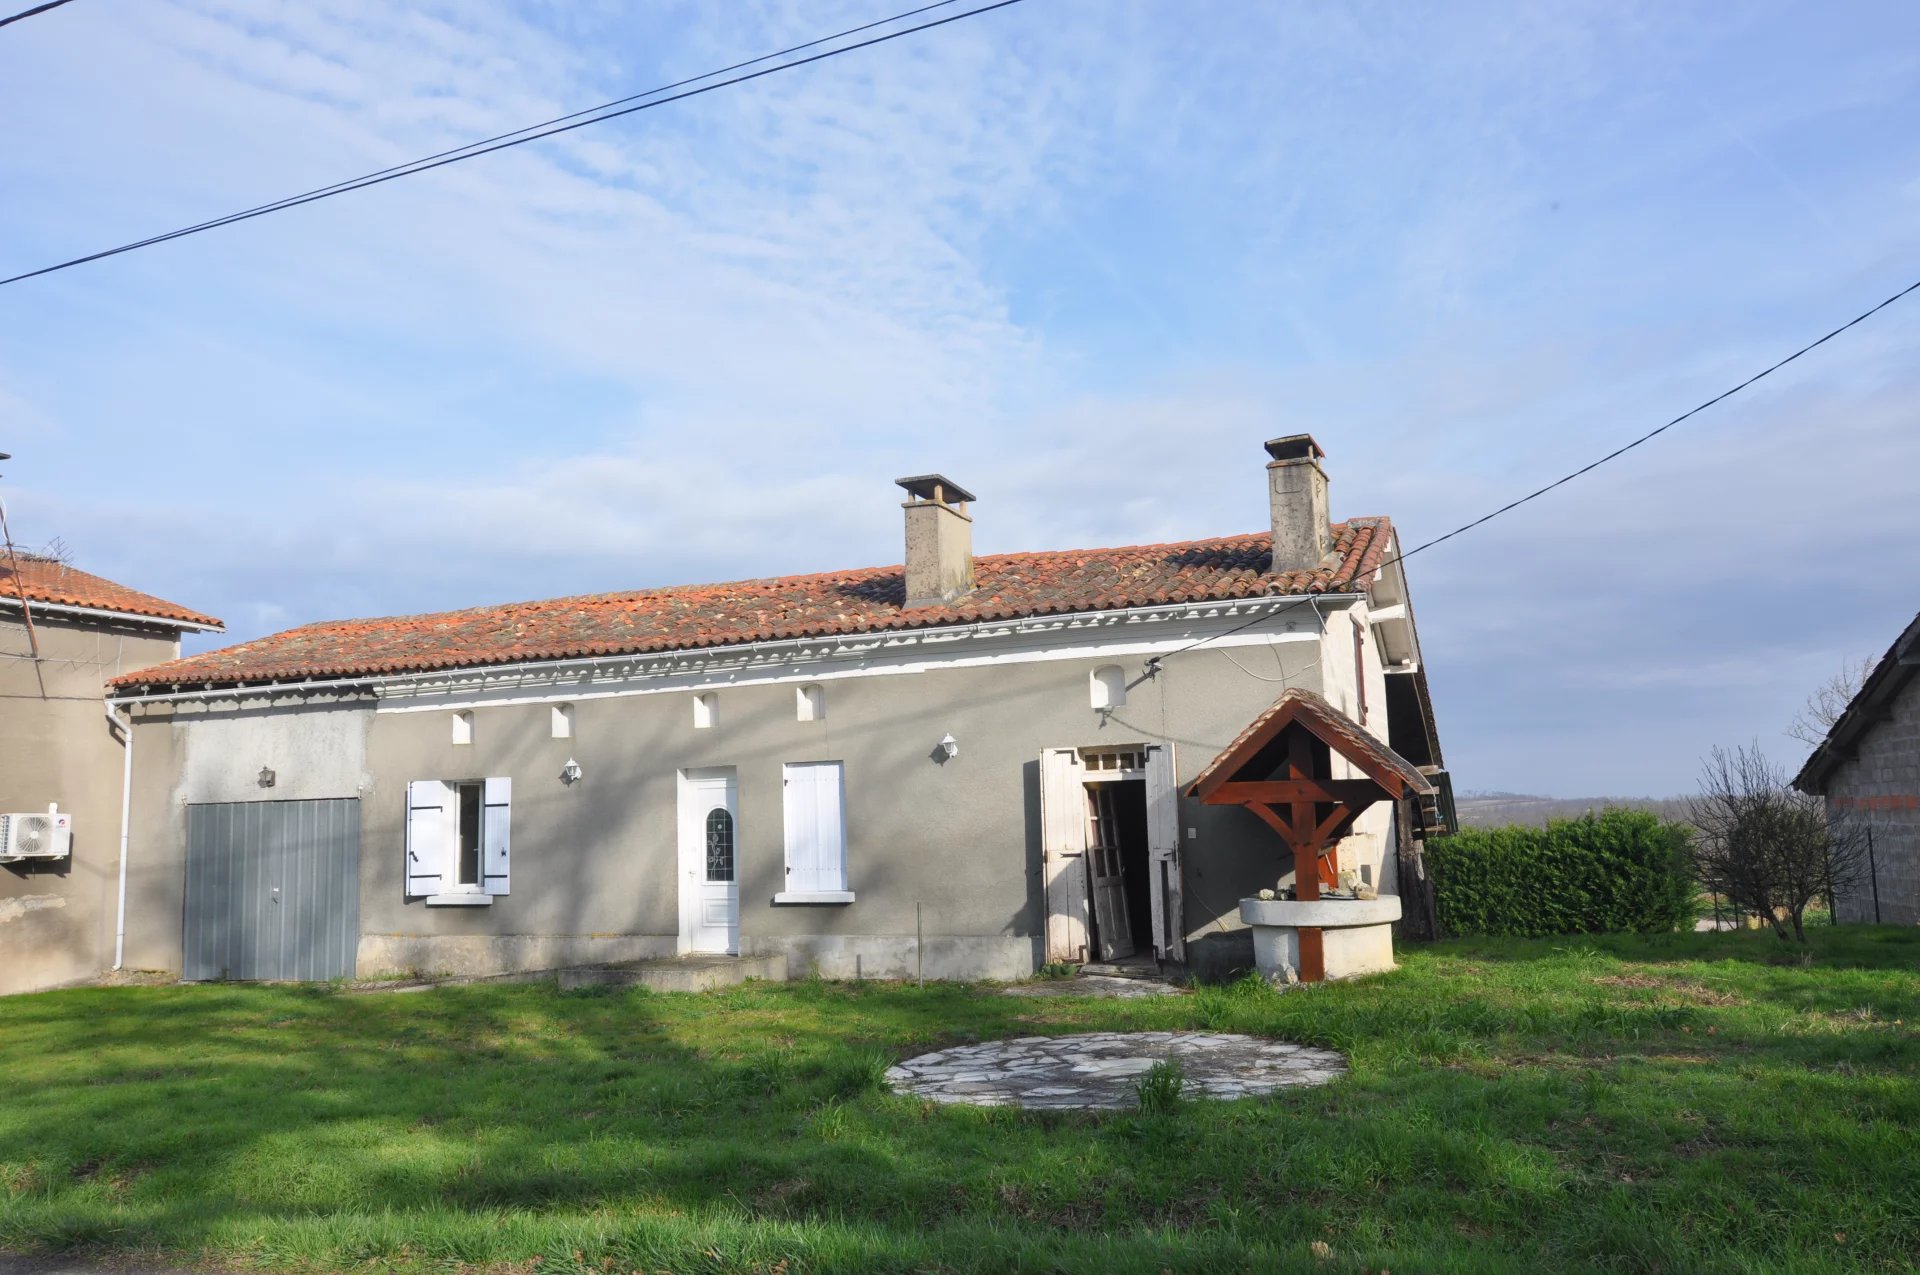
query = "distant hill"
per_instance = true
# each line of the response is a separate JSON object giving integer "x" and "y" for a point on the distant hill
{"x": 1492, "y": 809}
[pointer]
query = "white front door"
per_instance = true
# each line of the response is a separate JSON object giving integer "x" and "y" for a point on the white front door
{"x": 709, "y": 870}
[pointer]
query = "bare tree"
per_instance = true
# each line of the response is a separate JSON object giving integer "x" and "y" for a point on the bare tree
{"x": 1769, "y": 849}
{"x": 1828, "y": 701}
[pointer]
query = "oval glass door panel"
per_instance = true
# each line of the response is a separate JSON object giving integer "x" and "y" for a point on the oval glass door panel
{"x": 719, "y": 845}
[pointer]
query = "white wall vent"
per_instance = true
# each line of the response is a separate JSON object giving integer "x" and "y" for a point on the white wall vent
{"x": 33, "y": 836}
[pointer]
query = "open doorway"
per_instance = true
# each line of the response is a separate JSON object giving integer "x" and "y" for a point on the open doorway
{"x": 1109, "y": 826}
{"x": 1116, "y": 859}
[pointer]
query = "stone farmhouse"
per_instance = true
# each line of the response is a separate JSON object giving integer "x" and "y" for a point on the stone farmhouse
{"x": 965, "y": 765}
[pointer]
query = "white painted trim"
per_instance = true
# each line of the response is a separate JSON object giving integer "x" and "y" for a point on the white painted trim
{"x": 814, "y": 896}
{"x": 1210, "y": 621}
{"x": 97, "y": 613}
{"x": 460, "y": 899}
{"x": 126, "y": 826}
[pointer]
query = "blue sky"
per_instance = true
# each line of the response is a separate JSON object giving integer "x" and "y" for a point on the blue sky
{"x": 1082, "y": 256}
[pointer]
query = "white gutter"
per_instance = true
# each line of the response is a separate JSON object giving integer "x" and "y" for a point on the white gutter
{"x": 1036, "y": 623}
{"x": 99, "y": 614}
{"x": 126, "y": 815}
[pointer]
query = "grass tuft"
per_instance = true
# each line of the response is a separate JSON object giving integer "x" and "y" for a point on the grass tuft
{"x": 1162, "y": 1088}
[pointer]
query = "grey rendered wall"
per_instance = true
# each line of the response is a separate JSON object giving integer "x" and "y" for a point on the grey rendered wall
{"x": 57, "y": 918}
{"x": 595, "y": 868}
{"x": 1369, "y": 845}
{"x": 1880, "y": 789}
{"x": 595, "y": 864}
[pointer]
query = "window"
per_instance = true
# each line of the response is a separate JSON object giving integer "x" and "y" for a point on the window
{"x": 463, "y": 727}
{"x": 1109, "y": 686}
{"x": 466, "y": 858}
{"x": 706, "y": 710}
{"x": 1113, "y": 760}
{"x": 810, "y": 703}
{"x": 459, "y": 840}
{"x": 563, "y": 721}
{"x": 719, "y": 845}
{"x": 816, "y": 833}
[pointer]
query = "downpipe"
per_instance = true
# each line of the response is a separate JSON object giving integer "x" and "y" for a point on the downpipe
{"x": 126, "y": 815}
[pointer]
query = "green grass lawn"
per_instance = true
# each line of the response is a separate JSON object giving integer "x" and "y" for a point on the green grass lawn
{"x": 1683, "y": 1103}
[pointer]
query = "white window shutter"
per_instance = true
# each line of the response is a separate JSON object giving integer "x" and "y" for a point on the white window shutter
{"x": 430, "y": 843}
{"x": 496, "y": 838}
{"x": 797, "y": 814}
{"x": 1063, "y": 841}
{"x": 832, "y": 821}
{"x": 815, "y": 827}
{"x": 1063, "y": 803}
{"x": 1163, "y": 852}
{"x": 1163, "y": 802}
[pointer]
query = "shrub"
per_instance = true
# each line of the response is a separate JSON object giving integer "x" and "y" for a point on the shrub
{"x": 1619, "y": 870}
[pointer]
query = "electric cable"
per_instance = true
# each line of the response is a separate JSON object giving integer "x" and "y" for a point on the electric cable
{"x": 1562, "y": 481}
{"x": 538, "y": 132}
{"x": 33, "y": 12}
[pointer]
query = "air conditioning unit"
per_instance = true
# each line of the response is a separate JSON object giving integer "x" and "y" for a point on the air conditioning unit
{"x": 34, "y": 836}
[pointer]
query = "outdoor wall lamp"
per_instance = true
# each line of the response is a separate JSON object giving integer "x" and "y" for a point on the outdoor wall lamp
{"x": 267, "y": 777}
{"x": 570, "y": 773}
{"x": 950, "y": 746}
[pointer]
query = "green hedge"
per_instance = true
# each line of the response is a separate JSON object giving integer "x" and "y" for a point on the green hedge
{"x": 1620, "y": 870}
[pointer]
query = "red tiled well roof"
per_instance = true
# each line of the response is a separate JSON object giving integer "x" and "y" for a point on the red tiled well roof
{"x": 1339, "y": 732}
{"x": 688, "y": 617}
{"x": 51, "y": 581}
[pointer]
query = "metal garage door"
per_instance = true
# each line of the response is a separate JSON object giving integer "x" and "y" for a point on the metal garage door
{"x": 273, "y": 889}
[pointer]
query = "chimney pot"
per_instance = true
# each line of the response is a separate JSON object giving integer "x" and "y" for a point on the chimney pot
{"x": 939, "y": 540}
{"x": 1297, "y": 495}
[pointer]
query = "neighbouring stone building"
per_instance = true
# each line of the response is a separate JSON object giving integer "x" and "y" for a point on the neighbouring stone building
{"x": 1868, "y": 769}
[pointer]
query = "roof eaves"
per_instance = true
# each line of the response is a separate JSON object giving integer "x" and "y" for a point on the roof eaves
{"x": 1887, "y": 679}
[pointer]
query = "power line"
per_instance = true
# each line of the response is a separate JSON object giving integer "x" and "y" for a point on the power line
{"x": 1562, "y": 481}
{"x": 367, "y": 178}
{"x": 36, "y": 10}
{"x": 550, "y": 128}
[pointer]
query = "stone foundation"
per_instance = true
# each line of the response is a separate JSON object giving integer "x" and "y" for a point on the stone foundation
{"x": 384, "y": 955}
{"x": 855, "y": 956}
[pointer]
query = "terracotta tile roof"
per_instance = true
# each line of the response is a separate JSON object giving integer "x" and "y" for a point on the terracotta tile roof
{"x": 53, "y": 581}
{"x": 686, "y": 617}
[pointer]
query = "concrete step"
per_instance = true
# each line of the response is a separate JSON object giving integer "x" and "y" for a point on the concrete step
{"x": 679, "y": 973}
{"x": 1123, "y": 969}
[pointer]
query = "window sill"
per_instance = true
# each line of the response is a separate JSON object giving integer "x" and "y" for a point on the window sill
{"x": 462, "y": 900}
{"x": 813, "y": 896}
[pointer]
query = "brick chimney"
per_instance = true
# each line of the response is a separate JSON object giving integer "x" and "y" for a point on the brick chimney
{"x": 1297, "y": 492}
{"x": 939, "y": 540}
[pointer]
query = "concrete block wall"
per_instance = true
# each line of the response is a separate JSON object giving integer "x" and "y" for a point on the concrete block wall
{"x": 1880, "y": 790}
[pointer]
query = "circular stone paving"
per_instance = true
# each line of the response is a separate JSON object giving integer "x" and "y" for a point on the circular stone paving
{"x": 1101, "y": 1070}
